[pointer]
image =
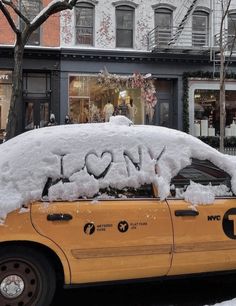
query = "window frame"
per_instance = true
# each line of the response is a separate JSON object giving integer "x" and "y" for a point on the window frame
{"x": 125, "y": 8}
{"x": 232, "y": 18}
{"x": 91, "y": 7}
{"x": 199, "y": 38}
{"x": 31, "y": 41}
{"x": 163, "y": 34}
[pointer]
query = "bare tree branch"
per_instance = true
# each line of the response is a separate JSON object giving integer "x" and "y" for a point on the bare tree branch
{"x": 17, "y": 11}
{"x": 226, "y": 10}
{"x": 223, "y": 66}
{"x": 7, "y": 14}
{"x": 15, "y": 116}
{"x": 52, "y": 8}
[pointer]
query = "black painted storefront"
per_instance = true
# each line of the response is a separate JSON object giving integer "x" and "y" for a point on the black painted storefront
{"x": 41, "y": 84}
{"x": 57, "y": 65}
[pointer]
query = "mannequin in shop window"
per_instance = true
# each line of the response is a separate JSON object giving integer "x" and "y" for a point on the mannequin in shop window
{"x": 108, "y": 110}
{"x": 132, "y": 110}
{"x": 52, "y": 120}
{"x": 68, "y": 120}
{"x": 123, "y": 108}
{"x": 116, "y": 111}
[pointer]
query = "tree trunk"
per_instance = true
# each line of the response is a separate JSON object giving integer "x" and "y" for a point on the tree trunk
{"x": 222, "y": 110}
{"x": 222, "y": 81}
{"x": 15, "y": 116}
{"x": 222, "y": 102}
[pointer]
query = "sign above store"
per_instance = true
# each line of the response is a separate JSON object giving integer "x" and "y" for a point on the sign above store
{"x": 5, "y": 77}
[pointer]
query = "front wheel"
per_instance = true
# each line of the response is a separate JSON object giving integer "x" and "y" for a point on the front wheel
{"x": 26, "y": 277}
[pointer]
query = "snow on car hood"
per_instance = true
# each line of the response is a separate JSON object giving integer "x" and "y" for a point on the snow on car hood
{"x": 95, "y": 156}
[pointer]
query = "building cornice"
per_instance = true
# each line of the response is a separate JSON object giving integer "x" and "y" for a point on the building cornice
{"x": 101, "y": 55}
{"x": 135, "y": 56}
{"x": 35, "y": 52}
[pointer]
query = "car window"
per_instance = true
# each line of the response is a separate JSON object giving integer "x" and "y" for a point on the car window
{"x": 144, "y": 191}
{"x": 202, "y": 172}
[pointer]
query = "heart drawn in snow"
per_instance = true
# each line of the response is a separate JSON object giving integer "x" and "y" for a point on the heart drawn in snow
{"x": 98, "y": 165}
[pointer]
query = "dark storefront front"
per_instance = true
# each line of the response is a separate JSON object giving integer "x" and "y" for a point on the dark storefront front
{"x": 66, "y": 81}
{"x": 5, "y": 96}
{"x": 41, "y": 86}
{"x": 178, "y": 101}
{"x": 84, "y": 98}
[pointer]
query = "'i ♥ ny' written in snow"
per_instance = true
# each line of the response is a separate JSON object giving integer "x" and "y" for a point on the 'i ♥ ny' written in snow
{"x": 118, "y": 169}
{"x": 81, "y": 159}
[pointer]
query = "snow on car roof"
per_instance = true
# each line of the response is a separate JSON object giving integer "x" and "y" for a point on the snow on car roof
{"x": 93, "y": 156}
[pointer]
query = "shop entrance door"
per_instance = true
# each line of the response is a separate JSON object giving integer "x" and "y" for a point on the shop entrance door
{"x": 164, "y": 106}
{"x": 36, "y": 113}
{"x": 164, "y": 110}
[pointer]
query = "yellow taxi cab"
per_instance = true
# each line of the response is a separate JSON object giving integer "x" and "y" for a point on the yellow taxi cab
{"x": 90, "y": 203}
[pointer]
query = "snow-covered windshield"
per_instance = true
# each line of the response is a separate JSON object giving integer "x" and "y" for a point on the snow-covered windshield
{"x": 82, "y": 159}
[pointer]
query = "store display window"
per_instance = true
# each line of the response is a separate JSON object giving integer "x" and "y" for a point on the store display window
{"x": 89, "y": 101}
{"x": 5, "y": 97}
{"x": 207, "y": 112}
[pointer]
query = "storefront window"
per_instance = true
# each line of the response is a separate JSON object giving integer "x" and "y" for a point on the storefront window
{"x": 90, "y": 102}
{"x": 207, "y": 112}
{"x": 29, "y": 116}
{"x": 164, "y": 114}
{"x": 44, "y": 114}
{"x": 36, "y": 113}
{"x": 5, "y": 97}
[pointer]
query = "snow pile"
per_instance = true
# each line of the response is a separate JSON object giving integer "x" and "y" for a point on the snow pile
{"x": 201, "y": 194}
{"x": 120, "y": 120}
{"x": 81, "y": 159}
{"x": 226, "y": 303}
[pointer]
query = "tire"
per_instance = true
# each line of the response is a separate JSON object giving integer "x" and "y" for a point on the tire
{"x": 26, "y": 277}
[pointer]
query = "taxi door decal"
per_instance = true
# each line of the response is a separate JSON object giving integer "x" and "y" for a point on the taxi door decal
{"x": 229, "y": 223}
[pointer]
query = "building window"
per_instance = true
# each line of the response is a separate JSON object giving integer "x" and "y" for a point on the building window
{"x": 84, "y": 22}
{"x": 124, "y": 26}
{"x": 163, "y": 25}
{"x": 200, "y": 29}
{"x": 37, "y": 84}
{"x": 31, "y": 9}
{"x": 232, "y": 31}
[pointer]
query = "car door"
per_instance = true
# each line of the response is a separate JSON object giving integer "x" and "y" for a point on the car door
{"x": 109, "y": 239}
{"x": 204, "y": 235}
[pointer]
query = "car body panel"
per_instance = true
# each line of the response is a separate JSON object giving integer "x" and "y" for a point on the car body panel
{"x": 110, "y": 240}
{"x": 202, "y": 243}
{"x": 205, "y": 242}
{"x": 105, "y": 200}
{"x": 17, "y": 227}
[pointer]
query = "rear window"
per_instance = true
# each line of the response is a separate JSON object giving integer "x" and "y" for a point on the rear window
{"x": 202, "y": 172}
